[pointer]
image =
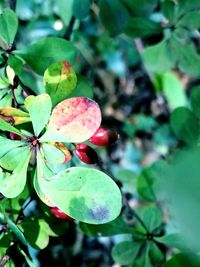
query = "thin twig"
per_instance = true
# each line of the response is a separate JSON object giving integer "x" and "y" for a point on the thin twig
{"x": 140, "y": 48}
{"x": 16, "y": 105}
{"x": 69, "y": 30}
{"x": 4, "y": 260}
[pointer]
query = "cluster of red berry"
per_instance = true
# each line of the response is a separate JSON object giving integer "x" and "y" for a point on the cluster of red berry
{"x": 102, "y": 137}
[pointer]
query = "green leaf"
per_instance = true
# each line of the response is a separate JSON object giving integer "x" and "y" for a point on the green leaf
{"x": 11, "y": 185}
{"x": 141, "y": 27}
{"x": 53, "y": 154}
{"x": 186, "y": 5}
{"x": 12, "y": 158}
{"x": 152, "y": 217}
{"x": 114, "y": 15}
{"x": 173, "y": 91}
{"x": 13, "y": 112}
{"x": 28, "y": 260}
{"x": 156, "y": 255}
{"x": 87, "y": 195}
{"x": 60, "y": 81}
{"x": 15, "y": 63}
{"x": 5, "y": 126}
{"x": 53, "y": 228}
{"x": 183, "y": 260}
{"x": 15, "y": 204}
{"x": 125, "y": 252}
{"x": 83, "y": 88}
{"x": 174, "y": 240}
{"x": 169, "y": 10}
{"x": 6, "y": 100}
{"x": 118, "y": 226}
{"x": 185, "y": 125}
{"x": 61, "y": 7}
{"x": 140, "y": 7}
{"x": 15, "y": 229}
{"x": 5, "y": 239}
{"x": 74, "y": 120}
{"x": 189, "y": 60}
{"x": 40, "y": 193}
{"x": 191, "y": 21}
{"x": 127, "y": 177}
{"x": 8, "y": 145}
{"x": 35, "y": 231}
{"x": 47, "y": 51}
{"x": 177, "y": 186}
{"x": 18, "y": 116}
{"x": 81, "y": 8}
{"x": 144, "y": 259}
{"x": 144, "y": 185}
{"x": 195, "y": 100}
{"x": 8, "y": 28}
{"x": 41, "y": 118}
{"x": 158, "y": 57}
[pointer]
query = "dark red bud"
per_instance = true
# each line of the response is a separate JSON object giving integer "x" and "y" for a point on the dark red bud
{"x": 86, "y": 153}
{"x": 25, "y": 95}
{"x": 60, "y": 214}
{"x": 104, "y": 137}
{"x": 14, "y": 136}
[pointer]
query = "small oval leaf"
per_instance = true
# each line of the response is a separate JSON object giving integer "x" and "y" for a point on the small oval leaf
{"x": 60, "y": 81}
{"x": 39, "y": 119}
{"x": 85, "y": 194}
{"x": 73, "y": 120}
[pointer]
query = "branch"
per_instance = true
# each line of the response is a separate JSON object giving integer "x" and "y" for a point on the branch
{"x": 67, "y": 34}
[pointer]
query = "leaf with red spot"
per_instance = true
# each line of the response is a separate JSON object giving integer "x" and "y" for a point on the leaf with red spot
{"x": 74, "y": 120}
{"x": 59, "y": 80}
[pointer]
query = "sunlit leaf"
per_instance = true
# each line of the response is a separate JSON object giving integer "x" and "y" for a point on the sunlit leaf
{"x": 73, "y": 120}
{"x": 47, "y": 51}
{"x": 41, "y": 103}
{"x": 53, "y": 154}
{"x": 125, "y": 252}
{"x": 5, "y": 126}
{"x": 8, "y": 28}
{"x": 12, "y": 184}
{"x": 85, "y": 194}
{"x": 60, "y": 81}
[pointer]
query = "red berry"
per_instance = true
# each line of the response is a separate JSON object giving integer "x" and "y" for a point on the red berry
{"x": 14, "y": 136}
{"x": 86, "y": 153}
{"x": 104, "y": 137}
{"x": 60, "y": 214}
